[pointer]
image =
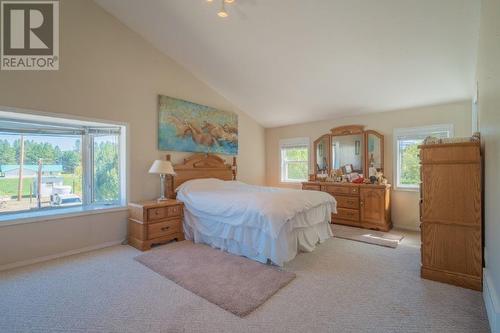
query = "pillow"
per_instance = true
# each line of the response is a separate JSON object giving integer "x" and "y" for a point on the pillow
{"x": 200, "y": 184}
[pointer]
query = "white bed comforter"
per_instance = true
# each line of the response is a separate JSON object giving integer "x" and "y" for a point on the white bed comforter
{"x": 239, "y": 204}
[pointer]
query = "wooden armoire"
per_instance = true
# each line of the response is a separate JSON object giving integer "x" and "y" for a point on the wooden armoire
{"x": 451, "y": 213}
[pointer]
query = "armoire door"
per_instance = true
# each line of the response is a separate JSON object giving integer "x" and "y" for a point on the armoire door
{"x": 372, "y": 203}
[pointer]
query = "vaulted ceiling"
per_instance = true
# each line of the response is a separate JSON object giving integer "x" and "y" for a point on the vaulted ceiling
{"x": 291, "y": 61}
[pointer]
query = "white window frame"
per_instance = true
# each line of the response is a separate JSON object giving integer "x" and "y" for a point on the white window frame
{"x": 91, "y": 200}
{"x": 88, "y": 205}
{"x": 288, "y": 143}
{"x": 422, "y": 131}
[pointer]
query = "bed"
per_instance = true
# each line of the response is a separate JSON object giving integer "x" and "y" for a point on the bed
{"x": 262, "y": 223}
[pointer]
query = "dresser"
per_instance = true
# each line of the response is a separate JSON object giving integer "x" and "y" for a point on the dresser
{"x": 451, "y": 213}
{"x": 154, "y": 222}
{"x": 358, "y": 205}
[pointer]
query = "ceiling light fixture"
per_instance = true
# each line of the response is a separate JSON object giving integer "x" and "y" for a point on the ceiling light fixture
{"x": 222, "y": 12}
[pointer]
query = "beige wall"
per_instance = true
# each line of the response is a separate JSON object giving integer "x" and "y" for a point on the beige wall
{"x": 405, "y": 204}
{"x": 488, "y": 72}
{"x": 109, "y": 72}
{"x": 26, "y": 243}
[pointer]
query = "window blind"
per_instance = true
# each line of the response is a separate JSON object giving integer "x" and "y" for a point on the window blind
{"x": 41, "y": 128}
{"x": 294, "y": 143}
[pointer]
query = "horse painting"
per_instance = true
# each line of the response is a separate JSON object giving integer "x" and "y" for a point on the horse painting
{"x": 191, "y": 127}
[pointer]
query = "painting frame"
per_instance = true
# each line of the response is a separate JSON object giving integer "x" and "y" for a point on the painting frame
{"x": 186, "y": 126}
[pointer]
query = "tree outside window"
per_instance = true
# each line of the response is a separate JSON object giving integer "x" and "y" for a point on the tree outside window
{"x": 407, "y": 160}
{"x": 294, "y": 160}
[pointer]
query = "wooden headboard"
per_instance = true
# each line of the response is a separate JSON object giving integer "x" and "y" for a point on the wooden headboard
{"x": 200, "y": 166}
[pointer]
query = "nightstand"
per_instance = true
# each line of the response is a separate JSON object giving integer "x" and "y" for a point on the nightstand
{"x": 154, "y": 222}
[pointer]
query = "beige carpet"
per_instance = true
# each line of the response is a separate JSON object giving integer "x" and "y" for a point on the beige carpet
{"x": 236, "y": 284}
{"x": 367, "y": 236}
{"x": 343, "y": 286}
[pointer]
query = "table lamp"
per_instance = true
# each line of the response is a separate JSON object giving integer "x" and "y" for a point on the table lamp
{"x": 162, "y": 168}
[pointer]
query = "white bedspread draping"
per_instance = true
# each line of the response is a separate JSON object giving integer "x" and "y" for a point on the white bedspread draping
{"x": 258, "y": 222}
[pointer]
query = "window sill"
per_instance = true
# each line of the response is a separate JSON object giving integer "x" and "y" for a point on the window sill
{"x": 298, "y": 182}
{"x": 407, "y": 189}
{"x": 48, "y": 215}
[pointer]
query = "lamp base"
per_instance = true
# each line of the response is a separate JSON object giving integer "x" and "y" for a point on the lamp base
{"x": 162, "y": 189}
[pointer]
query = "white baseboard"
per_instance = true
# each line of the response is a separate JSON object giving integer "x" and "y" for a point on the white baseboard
{"x": 58, "y": 255}
{"x": 410, "y": 227}
{"x": 492, "y": 302}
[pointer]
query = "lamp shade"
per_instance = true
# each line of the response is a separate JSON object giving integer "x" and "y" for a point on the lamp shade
{"x": 162, "y": 167}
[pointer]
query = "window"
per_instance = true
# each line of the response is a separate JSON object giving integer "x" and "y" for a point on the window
{"x": 294, "y": 157}
{"x": 407, "y": 162}
{"x": 48, "y": 163}
{"x": 106, "y": 170}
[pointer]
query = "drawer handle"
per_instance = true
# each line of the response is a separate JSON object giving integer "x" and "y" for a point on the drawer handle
{"x": 157, "y": 212}
{"x": 362, "y": 203}
{"x": 165, "y": 228}
{"x": 349, "y": 202}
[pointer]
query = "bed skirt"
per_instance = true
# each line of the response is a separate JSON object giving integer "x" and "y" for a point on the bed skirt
{"x": 302, "y": 233}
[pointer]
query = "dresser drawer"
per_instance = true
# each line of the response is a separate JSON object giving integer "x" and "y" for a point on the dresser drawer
{"x": 347, "y": 214}
{"x": 164, "y": 228}
{"x": 311, "y": 187}
{"x": 347, "y": 202}
{"x": 337, "y": 189}
{"x": 161, "y": 213}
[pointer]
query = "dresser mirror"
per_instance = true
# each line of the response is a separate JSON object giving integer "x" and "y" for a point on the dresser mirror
{"x": 322, "y": 154}
{"x": 348, "y": 150}
{"x": 350, "y": 146}
{"x": 364, "y": 203}
{"x": 375, "y": 150}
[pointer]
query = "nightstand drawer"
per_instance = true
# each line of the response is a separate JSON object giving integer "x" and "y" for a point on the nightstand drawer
{"x": 164, "y": 228}
{"x": 161, "y": 213}
{"x": 155, "y": 222}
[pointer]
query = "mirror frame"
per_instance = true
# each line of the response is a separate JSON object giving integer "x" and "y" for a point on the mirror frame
{"x": 328, "y": 152}
{"x": 347, "y": 130}
{"x": 367, "y": 158}
{"x": 350, "y": 130}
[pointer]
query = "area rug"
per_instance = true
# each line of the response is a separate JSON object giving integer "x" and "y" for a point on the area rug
{"x": 236, "y": 284}
{"x": 367, "y": 236}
